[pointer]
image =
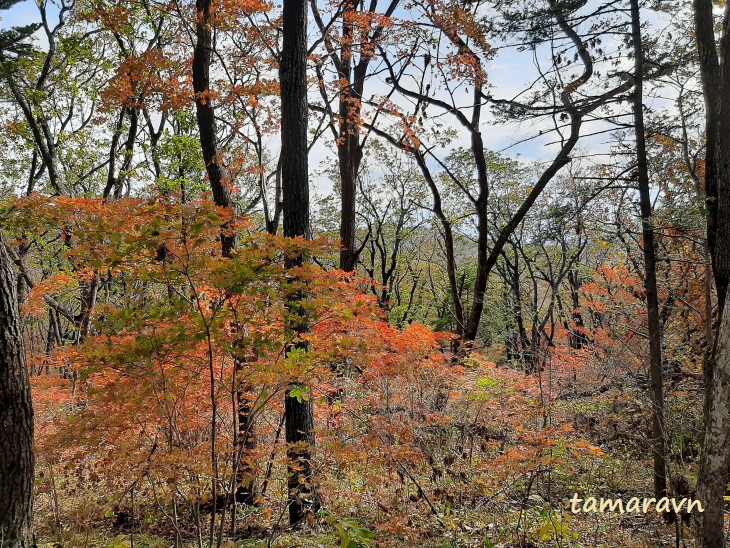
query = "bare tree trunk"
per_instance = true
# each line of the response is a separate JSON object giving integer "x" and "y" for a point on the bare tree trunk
{"x": 714, "y": 462}
{"x": 348, "y": 142}
{"x": 116, "y": 182}
{"x": 298, "y": 405}
{"x": 650, "y": 282}
{"x": 16, "y": 420}
{"x": 448, "y": 246}
{"x": 205, "y": 114}
{"x": 716, "y": 88}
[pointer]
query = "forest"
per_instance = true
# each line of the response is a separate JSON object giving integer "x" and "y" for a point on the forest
{"x": 429, "y": 273}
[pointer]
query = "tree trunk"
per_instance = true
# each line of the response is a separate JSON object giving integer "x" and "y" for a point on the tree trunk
{"x": 716, "y": 89}
{"x": 576, "y": 334}
{"x": 713, "y": 475}
{"x": 294, "y": 112}
{"x": 42, "y": 136}
{"x": 116, "y": 182}
{"x": 16, "y": 420}
{"x": 246, "y": 488}
{"x": 298, "y": 409}
{"x": 458, "y": 311}
{"x": 715, "y": 462}
{"x": 482, "y": 203}
{"x": 650, "y": 283}
{"x": 348, "y": 142}
{"x": 299, "y": 412}
{"x": 205, "y": 114}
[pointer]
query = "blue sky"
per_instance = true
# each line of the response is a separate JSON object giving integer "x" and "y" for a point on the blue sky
{"x": 503, "y": 74}
{"x": 22, "y": 13}
{"x": 509, "y": 72}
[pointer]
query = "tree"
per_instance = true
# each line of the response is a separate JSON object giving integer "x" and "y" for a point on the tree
{"x": 299, "y": 411}
{"x": 715, "y": 460}
{"x": 205, "y": 112}
{"x": 16, "y": 419}
{"x": 362, "y": 30}
{"x": 43, "y": 136}
{"x": 389, "y": 210}
{"x": 650, "y": 282}
{"x": 16, "y": 407}
{"x": 13, "y": 40}
{"x": 570, "y": 98}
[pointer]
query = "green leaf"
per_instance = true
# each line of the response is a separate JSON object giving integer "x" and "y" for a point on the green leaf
{"x": 301, "y": 393}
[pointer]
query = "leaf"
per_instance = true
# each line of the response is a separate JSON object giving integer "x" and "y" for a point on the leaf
{"x": 301, "y": 393}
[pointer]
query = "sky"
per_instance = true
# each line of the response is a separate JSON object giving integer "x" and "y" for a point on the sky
{"x": 22, "y": 13}
{"x": 509, "y": 72}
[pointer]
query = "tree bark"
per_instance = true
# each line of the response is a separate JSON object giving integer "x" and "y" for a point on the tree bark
{"x": 205, "y": 114}
{"x": 16, "y": 420}
{"x": 348, "y": 142}
{"x": 716, "y": 88}
{"x": 298, "y": 409}
{"x": 294, "y": 113}
{"x": 650, "y": 282}
{"x": 715, "y": 460}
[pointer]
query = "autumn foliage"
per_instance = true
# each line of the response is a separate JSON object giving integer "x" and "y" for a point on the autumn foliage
{"x": 141, "y": 418}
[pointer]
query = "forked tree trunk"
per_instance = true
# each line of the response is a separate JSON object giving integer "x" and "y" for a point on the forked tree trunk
{"x": 16, "y": 420}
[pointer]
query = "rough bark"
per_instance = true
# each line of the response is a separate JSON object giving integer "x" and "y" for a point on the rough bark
{"x": 294, "y": 113}
{"x": 650, "y": 281}
{"x": 715, "y": 87}
{"x": 349, "y": 150}
{"x": 205, "y": 114}
{"x": 298, "y": 408}
{"x": 16, "y": 420}
{"x": 714, "y": 462}
{"x": 299, "y": 438}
